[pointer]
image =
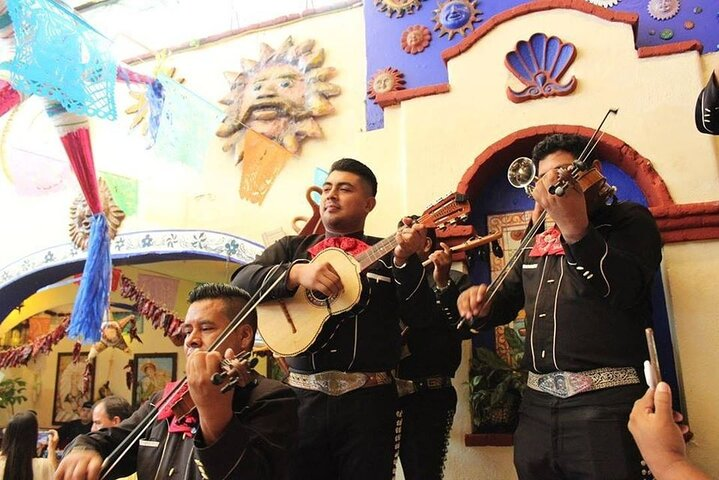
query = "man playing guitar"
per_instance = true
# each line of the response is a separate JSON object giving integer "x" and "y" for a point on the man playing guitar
{"x": 348, "y": 403}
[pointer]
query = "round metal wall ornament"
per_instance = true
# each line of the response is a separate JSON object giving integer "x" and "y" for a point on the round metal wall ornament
{"x": 663, "y": 9}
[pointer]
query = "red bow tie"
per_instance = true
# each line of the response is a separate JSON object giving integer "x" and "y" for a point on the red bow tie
{"x": 547, "y": 243}
{"x": 350, "y": 245}
{"x": 188, "y": 423}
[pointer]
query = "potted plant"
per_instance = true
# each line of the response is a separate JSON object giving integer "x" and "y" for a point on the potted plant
{"x": 495, "y": 388}
{"x": 11, "y": 393}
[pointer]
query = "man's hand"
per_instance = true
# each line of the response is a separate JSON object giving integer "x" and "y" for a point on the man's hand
{"x": 472, "y": 302}
{"x": 659, "y": 438}
{"x": 213, "y": 407}
{"x": 410, "y": 239}
{"x": 442, "y": 260}
{"x": 568, "y": 211}
{"x": 320, "y": 277}
{"x": 79, "y": 465}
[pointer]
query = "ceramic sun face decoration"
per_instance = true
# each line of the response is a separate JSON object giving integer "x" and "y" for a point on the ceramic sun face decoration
{"x": 81, "y": 216}
{"x": 456, "y": 17}
{"x": 279, "y": 96}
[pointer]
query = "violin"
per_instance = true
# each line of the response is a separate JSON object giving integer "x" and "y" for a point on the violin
{"x": 230, "y": 371}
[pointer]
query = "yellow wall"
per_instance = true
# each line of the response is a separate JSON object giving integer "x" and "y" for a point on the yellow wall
{"x": 426, "y": 146}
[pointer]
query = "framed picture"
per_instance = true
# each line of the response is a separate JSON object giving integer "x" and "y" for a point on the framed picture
{"x": 68, "y": 388}
{"x": 151, "y": 372}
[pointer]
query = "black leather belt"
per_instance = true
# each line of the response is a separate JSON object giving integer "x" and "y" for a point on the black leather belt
{"x": 408, "y": 387}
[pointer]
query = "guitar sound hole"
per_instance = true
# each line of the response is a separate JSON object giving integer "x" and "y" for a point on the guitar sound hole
{"x": 319, "y": 299}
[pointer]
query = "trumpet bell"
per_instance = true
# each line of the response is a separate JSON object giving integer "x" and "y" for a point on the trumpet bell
{"x": 522, "y": 172}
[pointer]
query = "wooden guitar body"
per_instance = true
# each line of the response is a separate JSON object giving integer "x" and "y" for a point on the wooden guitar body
{"x": 289, "y": 326}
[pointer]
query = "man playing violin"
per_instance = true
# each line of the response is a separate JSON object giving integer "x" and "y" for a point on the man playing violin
{"x": 706, "y": 113}
{"x": 585, "y": 286}
{"x": 248, "y": 432}
{"x": 348, "y": 403}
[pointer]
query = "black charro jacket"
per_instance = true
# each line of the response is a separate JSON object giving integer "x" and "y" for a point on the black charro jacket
{"x": 256, "y": 445}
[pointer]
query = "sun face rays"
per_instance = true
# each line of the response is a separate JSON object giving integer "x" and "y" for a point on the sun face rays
{"x": 279, "y": 95}
{"x": 456, "y": 17}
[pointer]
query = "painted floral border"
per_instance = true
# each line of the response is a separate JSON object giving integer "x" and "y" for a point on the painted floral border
{"x": 222, "y": 245}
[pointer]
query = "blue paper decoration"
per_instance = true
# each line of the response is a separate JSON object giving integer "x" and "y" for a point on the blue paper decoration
{"x": 93, "y": 296}
{"x": 59, "y": 56}
{"x": 187, "y": 124}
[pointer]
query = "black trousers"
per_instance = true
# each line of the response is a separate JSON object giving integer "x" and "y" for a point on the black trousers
{"x": 427, "y": 418}
{"x": 347, "y": 437}
{"x": 584, "y": 437}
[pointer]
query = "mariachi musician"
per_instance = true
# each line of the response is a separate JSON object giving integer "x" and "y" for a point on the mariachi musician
{"x": 585, "y": 286}
{"x": 246, "y": 429}
{"x": 348, "y": 402}
{"x": 430, "y": 357}
{"x": 706, "y": 113}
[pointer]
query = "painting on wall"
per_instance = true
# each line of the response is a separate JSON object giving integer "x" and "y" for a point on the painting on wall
{"x": 69, "y": 395}
{"x": 151, "y": 372}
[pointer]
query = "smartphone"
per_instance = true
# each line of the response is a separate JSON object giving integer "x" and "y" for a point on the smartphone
{"x": 43, "y": 437}
{"x": 651, "y": 366}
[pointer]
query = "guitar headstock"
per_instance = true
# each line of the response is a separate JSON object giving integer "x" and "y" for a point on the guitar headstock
{"x": 449, "y": 210}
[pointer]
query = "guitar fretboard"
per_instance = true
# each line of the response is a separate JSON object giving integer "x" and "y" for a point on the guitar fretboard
{"x": 377, "y": 251}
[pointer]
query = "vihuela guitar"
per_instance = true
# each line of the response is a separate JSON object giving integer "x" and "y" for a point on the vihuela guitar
{"x": 290, "y": 326}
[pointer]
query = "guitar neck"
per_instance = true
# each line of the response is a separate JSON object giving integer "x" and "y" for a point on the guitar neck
{"x": 375, "y": 252}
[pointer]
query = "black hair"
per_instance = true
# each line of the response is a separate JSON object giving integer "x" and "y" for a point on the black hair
{"x": 358, "y": 168}
{"x": 573, "y": 144}
{"x": 115, "y": 406}
{"x": 19, "y": 446}
{"x": 234, "y": 297}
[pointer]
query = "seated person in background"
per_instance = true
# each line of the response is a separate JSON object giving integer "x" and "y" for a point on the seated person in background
{"x": 70, "y": 430}
{"x": 430, "y": 356}
{"x": 653, "y": 425}
{"x": 109, "y": 412}
{"x": 706, "y": 113}
{"x": 17, "y": 457}
{"x": 247, "y": 433}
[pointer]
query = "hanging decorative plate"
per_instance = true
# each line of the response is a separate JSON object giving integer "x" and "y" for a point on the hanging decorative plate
{"x": 385, "y": 80}
{"x": 663, "y": 9}
{"x": 415, "y": 39}
{"x": 540, "y": 63}
{"x": 398, "y": 7}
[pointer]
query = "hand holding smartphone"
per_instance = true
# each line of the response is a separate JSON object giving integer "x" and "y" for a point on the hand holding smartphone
{"x": 651, "y": 366}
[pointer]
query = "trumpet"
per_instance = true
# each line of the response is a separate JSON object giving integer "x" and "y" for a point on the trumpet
{"x": 522, "y": 173}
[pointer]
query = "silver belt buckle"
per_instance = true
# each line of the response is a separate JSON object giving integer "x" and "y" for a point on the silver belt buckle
{"x": 564, "y": 384}
{"x": 337, "y": 383}
{"x": 405, "y": 387}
